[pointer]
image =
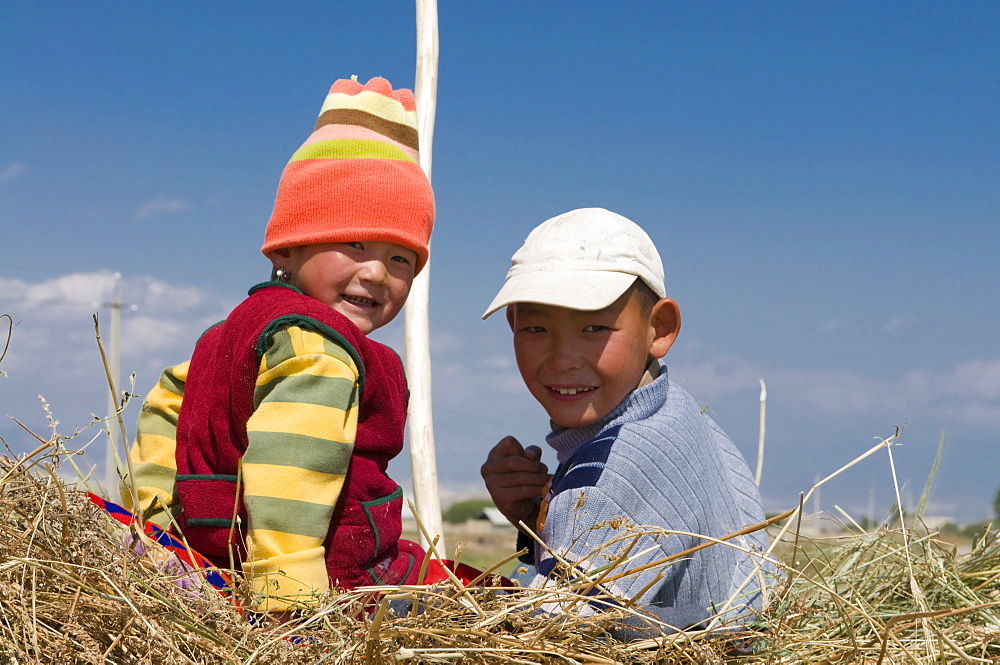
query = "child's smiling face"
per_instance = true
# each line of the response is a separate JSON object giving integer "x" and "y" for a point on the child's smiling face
{"x": 366, "y": 281}
{"x": 580, "y": 365}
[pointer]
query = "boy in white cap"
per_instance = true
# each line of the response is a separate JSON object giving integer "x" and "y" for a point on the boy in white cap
{"x": 586, "y": 303}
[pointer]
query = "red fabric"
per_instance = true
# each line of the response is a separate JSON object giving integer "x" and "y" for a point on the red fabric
{"x": 437, "y": 570}
{"x": 363, "y": 545}
{"x": 465, "y": 573}
{"x": 218, "y": 578}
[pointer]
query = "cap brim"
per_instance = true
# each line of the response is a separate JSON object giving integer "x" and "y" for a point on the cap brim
{"x": 585, "y": 290}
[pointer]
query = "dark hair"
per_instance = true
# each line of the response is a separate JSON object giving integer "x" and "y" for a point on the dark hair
{"x": 647, "y": 298}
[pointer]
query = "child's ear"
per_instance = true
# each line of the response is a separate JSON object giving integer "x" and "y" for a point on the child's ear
{"x": 665, "y": 320}
{"x": 277, "y": 254}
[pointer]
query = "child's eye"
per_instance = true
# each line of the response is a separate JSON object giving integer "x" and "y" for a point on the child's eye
{"x": 355, "y": 245}
{"x": 533, "y": 329}
{"x": 398, "y": 258}
{"x": 596, "y": 328}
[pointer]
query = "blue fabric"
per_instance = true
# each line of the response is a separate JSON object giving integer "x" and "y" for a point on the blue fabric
{"x": 585, "y": 469}
{"x": 169, "y": 541}
{"x": 657, "y": 461}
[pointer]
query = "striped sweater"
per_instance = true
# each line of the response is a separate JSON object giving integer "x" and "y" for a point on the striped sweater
{"x": 656, "y": 461}
{"x": 292, "y": 481}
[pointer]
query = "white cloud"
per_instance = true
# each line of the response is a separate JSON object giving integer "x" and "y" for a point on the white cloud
{"x": 980, "y": 414}
{"x": 977, "y": 379}
{"x": 148, "y": 334}
{"x": 12, "y": 288}
{"x": 721, "y": 376}
{"x": 89, "y": 289}
{"x": 445, "y": 342}
{"x": 13, "y": 170}
{"x": 155, "y": 294}
{"x": 53, "y": 349}
{"x": 160, "y": 205}
{"x": 970, "y": 390}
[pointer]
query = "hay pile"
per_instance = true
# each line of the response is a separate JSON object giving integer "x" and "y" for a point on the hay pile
{"x": 71, "y": 592}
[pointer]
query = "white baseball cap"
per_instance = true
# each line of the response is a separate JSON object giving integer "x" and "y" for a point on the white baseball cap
{"x": 584, "y": 259}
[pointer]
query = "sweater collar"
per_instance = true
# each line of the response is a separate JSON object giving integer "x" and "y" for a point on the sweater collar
{"x": 264, "y": 285}
{"x": 638, "y": 404}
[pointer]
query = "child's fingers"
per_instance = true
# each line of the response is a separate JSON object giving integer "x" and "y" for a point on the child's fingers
{"x": 514, "y": 478}
{"x": 526, "y": 470}
{"x": 512, "y": 471}
{"x": 509, "y": 457}
{"x": 508, "y": 446}
{"x": 533, "y": 453}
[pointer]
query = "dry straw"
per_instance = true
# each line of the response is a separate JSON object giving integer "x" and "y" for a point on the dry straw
{"x": 71, "y": 591}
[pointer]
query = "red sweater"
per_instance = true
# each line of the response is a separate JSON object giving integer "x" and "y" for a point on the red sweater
{"x": 363, "y": 543}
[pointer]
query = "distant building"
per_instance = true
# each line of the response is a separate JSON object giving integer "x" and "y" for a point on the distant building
{"x": 494, "y": 517}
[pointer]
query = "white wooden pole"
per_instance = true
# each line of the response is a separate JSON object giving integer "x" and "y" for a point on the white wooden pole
{"x": 111, "y": 456}
{"x": 760, "y": 437}
{"x": 423, "y": 466}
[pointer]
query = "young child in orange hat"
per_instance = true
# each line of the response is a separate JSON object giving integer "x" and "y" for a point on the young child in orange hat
{"x": 268, "y": 450}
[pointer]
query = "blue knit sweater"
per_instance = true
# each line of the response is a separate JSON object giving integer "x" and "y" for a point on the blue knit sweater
{"x": 657, "y": 461}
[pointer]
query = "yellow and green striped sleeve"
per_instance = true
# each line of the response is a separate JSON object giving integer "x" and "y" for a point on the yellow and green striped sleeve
{"x": 153, "y": 452}
{"x": 300, "y": 441}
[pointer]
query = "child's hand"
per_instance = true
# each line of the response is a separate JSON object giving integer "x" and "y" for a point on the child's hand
{"x": 515, "y": 478}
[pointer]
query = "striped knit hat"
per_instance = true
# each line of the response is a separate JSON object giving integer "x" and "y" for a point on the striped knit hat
{"x": 358, "y": 176}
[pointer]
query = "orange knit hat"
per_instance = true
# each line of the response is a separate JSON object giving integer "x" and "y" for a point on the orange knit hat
{"x": 358, "y": 176}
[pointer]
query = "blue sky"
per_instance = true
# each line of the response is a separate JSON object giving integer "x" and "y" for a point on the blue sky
{"x": 822, "y": 180}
